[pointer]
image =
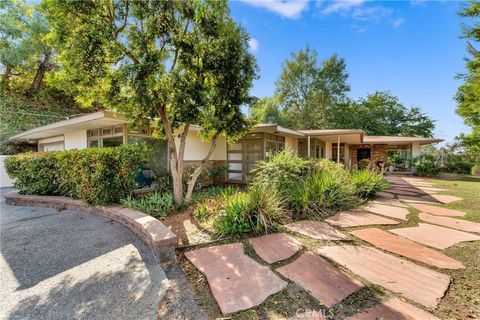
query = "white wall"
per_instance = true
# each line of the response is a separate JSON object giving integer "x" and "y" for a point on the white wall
{"x": 76, "y": 140}
{"x": 415, "y": 150}
{"x": 196, "y": 149}
{"x": 291, "y": 143}
{"x": 5, "y": 180}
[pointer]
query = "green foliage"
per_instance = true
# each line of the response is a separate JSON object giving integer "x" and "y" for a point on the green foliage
{"x": 95, "y": 175}
{"x": 475, "y": 170}
{"x": 281, "y": 170}
{"x": 34, "y": 173}
{"x": 156, "y": 204}
{"x": 382, "y": 114}
{"x": 468, "y": 93}
{"x": 256, "y": 210}
{"x": 367, "y": 183}
{"x": 426, "y": 165}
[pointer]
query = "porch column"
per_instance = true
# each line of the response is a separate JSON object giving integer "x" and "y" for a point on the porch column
{"x": 328, "y": 150}
{"x": 415, "y": 150}
{"x": 308, "y": 146}
{"x": 338, "y": 149}
{"x": 347, "y": 156}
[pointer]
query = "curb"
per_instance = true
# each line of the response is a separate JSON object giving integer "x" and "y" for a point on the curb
{"x": 151, "y": 231}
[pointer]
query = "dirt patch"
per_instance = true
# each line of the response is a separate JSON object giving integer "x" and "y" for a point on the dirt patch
{"x": 186, "y": 227}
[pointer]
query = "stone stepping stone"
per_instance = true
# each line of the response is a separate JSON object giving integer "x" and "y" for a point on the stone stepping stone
{"x": 319, "y": 278}
{"x": 458, "y": 224}
{"x": 275, "y": 247}
{"x": 389, "y": 211}
{"x": 409, "y": 249}
{"x": 393, "y": 309}
{"x": 438, "y": 211}
{"x": 348, "y": 219}
{"x": 412, "y": 281}
{"x": 385, "y": 195}
{"x": 435, "y": 236}
{"x": 417, "y": 199}
{"x": 404, "y": 192}
{"x": 443, "y": 198}
{"x": 316, "y": 230}
{"x": 432, "y": 189}
{"x": 237, "y": 281}
{"x": 389, "y": 202}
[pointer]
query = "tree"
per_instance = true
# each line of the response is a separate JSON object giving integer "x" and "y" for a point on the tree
{"x": 267, "y": 110}
{"x": 307, "y": 90}
{"x": 165, "y": 64}
{"x": 23, "y": 46}
{"x": 381, "y": 113}
{"x": 468, "y": 94}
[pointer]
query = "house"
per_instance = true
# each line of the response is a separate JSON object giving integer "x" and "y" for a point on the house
{"x": 348, "y": 146}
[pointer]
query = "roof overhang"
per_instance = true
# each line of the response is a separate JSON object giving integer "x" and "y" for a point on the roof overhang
{"x": 393, "y": 140}
{"x": 350, "y": 136}
{"x": 276, "y": 129}
{"x": 89, "y": 121}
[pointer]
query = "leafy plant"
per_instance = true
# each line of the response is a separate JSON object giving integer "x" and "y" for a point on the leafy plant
{"x": 425, "y": 165}
{"x": 367, "y": 183}
{"x": 155, "y": 204}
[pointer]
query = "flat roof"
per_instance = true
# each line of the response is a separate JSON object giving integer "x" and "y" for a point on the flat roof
{"x": 88, "y": 121}
{"x": 328, "y": 132}
{"x": 398, "y": 140}
{"x": 275, "y": 128}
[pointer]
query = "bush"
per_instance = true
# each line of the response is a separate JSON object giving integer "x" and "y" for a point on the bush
{"x": 475, "y": 171}
{"x": 321, "y": 190}
{"x": 460, "y": 167}
{"x": 366, "y": 183}
{"x": 425, "y": 165}
{"x": 155, "y": 204}
{"x": 255, "y": 210}
{"x": 34, "y": 173}
{"x": 95, "y": 175}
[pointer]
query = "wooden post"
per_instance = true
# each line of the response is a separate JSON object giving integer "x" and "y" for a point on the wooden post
{"x": 338, "y": 149}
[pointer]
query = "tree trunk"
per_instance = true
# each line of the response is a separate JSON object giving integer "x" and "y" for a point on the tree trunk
{"x": 6, "y": 79}
{"x": 44, "y": 66}
{"x": 193, "y": 179}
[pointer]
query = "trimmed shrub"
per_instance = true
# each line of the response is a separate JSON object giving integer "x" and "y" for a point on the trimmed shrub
{"x": 155, "y": 204}
{"x": 460, "y": 167}
{"x": 95, "y": 175}
{"x": 34, "y": 172}
{"x": 426, "y": 165}
{"x": 367, "y": 183}
{"x": 475, "y": 171}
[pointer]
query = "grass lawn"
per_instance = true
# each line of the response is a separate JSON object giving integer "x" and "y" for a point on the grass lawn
{"x": 462, "y": 300}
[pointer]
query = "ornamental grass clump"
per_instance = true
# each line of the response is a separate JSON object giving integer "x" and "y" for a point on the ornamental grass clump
{"x": 156, "y": 204}
{"x": 368, "y": 183}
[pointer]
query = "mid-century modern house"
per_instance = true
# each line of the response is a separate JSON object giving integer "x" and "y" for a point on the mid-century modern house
{"x": 105, "y": 129}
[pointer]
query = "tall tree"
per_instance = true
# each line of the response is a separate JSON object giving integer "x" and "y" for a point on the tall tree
{"x": 307, "y": 89}
{"x": 166, "y": 64}
{"x": 468, "y": 94}
{"x": 381, "y": 113}
{"x": 23, "y": 45}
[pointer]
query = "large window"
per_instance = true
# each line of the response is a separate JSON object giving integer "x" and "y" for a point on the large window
{"x": 105, "y": 137}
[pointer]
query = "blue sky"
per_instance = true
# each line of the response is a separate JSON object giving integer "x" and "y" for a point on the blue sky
{"x": 411, "y": 48}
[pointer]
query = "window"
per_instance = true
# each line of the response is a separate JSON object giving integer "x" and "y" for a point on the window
{"x": 105, "y": 137}
{"x": 363, "y": 153}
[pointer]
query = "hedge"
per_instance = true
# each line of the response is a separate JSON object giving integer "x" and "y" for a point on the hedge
{"x": 95, "y": 175}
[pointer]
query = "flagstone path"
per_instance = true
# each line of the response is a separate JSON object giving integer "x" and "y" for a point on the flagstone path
{"x": 356, "y": 218}
{"x": 435, "y": 236}
{"x": 393, "y": 309}
{"x": 438, "y": 211}
{"x": 462, "y": 225}
{"x": 237, "y": 281}
{"x": 415, "y": 282}
{"x": 389, "y": 211}
{"x": 442, "y": 198}
{"x": 275, "y": 247}
{"x": 406, "y": 248}
{"x": 320, "y": 279}
{"x": 316, "y": 230}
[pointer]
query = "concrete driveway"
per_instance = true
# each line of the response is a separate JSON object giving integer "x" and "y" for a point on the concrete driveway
{"x": 66, "y": 265}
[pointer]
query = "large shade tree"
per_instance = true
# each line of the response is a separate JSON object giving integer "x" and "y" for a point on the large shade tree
{"x": 468, "y": 94}
{"x": 166, "y": 64}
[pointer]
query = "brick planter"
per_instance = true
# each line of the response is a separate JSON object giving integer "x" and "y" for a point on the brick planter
{"x": 151, "y": 231}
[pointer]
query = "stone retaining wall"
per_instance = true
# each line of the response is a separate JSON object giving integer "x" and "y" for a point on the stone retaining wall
{"x": 151, "y": 231}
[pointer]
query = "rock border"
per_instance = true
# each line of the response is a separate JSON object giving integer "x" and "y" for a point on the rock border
{"x": 151, "y": 231}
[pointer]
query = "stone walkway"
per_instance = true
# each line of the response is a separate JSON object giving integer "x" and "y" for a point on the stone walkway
{"x": 399, "y": 260}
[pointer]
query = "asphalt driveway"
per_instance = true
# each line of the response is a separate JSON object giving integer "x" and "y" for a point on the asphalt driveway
{"x": 66, "y": 265}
